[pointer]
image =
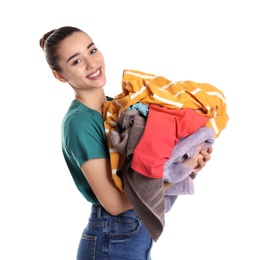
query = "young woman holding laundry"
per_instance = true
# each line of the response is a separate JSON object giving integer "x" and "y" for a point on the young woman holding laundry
{"x": 113, "y": 231}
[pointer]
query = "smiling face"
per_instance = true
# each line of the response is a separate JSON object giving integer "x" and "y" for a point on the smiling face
{"x": 81, "y": 62}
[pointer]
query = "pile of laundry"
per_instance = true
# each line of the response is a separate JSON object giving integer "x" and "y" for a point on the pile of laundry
{"x": 151, "y": 128}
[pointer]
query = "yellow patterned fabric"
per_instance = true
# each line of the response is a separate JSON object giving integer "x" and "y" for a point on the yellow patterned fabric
{"x": 146, "y": 88}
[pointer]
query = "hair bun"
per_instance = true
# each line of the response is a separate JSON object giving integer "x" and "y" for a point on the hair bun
{"x": 44, "y": 38}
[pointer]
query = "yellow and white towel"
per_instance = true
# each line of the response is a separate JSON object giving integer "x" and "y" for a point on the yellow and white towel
{"x": 147, "y": 88}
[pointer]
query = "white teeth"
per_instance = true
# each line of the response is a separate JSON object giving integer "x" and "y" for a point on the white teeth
{"x": 95, "y": 74}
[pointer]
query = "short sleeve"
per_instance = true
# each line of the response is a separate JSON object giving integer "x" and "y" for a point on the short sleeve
{"x": 86, "y": 138}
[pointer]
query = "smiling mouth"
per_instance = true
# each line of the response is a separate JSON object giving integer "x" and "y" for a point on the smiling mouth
{"x": 94, "y": 75}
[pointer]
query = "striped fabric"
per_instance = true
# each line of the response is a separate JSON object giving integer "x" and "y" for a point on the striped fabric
{"x": 149, "y": 89}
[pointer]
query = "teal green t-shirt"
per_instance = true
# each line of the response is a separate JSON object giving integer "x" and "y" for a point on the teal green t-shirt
{"x": 83, "y": 138}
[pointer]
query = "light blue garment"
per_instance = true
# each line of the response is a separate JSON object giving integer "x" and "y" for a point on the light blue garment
{"x": 142, "y": 108}
{"x": 114, "y": 237}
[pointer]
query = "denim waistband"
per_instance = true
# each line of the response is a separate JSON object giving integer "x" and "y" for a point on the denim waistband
{"x": 99, "y": 211}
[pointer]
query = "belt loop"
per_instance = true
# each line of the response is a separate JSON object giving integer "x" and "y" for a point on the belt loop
{"x": 99, "y": 209}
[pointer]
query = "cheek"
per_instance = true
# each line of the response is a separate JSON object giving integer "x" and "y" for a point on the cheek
{"x": 73, "y": 75}
{"x": 101, "y": 59}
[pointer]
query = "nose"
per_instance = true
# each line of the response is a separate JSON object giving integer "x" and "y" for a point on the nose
{"x": 89, "y": 62}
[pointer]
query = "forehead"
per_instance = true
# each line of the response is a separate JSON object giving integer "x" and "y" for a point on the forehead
{"x": 75, "y": 43}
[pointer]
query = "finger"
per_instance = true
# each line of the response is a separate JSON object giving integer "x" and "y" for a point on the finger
{"x": 200, "y": 147}
{"x": 210, "y": 149}
{"x": 206, "y": 155}
{"x": 201, "y": 163}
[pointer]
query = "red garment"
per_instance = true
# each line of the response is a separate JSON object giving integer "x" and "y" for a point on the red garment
{"x": 163, "y": 128}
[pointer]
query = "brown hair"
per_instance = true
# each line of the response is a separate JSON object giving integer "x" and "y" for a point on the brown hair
{"x": 50, "y": 42}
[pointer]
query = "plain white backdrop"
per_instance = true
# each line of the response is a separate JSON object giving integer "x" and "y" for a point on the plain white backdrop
{"x": 218, "y": 42}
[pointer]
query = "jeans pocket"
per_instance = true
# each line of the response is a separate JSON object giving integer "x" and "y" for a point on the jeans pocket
{"x": 126, "y": 226}
{"x": 87, "y": 247}
{"x": 130, "y": 240}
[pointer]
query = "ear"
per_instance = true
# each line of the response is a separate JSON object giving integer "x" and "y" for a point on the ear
{"x": 59, "y": 76}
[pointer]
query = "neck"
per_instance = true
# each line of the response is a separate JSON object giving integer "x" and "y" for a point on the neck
{"x": 92, "y": 99}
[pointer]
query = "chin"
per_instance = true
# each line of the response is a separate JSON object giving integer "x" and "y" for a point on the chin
{"x": 102, "y": 82}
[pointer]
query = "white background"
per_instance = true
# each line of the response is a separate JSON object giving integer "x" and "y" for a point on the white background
{"x": 218, "y": 42}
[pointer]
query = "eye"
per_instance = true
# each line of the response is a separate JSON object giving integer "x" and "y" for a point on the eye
{"x": 93, "y": 51}
{"x": 76, "y": 62}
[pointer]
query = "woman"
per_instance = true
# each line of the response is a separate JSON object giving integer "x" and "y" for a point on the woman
{"x": 114, "y": 231}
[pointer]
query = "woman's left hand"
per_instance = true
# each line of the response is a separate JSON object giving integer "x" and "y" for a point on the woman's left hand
{"x": 200, "y": 159}
{"x": 203, "y": 157}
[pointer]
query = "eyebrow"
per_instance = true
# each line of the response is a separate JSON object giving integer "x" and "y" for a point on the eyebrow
{"x": 77, "y": 53}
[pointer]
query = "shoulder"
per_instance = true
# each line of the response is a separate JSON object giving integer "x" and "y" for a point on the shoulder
{"x": 82, "y": 124}
{"x": 80, "y": 116}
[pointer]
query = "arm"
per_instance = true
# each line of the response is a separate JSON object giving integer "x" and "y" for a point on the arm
{"x": 98, "y": 174}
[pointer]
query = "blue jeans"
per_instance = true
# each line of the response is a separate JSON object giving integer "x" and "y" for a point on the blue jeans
{"x": 121, "y": 237}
